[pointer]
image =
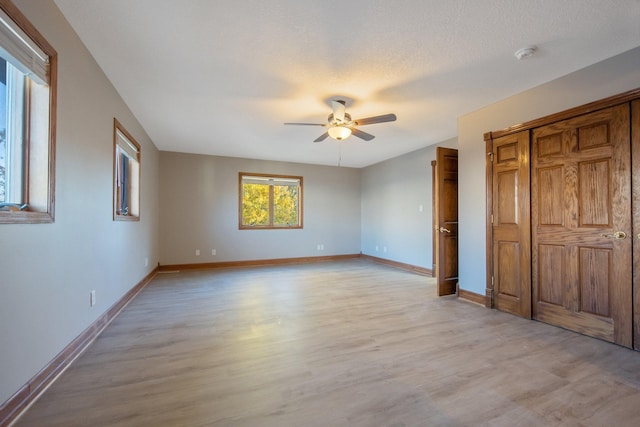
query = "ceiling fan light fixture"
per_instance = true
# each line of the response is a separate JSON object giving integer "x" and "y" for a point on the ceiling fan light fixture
{"x": 339, "y": 132}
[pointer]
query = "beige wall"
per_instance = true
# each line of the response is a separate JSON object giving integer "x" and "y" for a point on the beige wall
{"x": 199, "y": 210}
{"x": 48, "y": 270}
{"x": 610, "y": 77}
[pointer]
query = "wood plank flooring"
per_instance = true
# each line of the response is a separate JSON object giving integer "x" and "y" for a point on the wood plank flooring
{"x": 349, "y": 343}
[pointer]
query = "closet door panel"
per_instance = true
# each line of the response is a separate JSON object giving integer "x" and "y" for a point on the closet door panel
{"x": 511, "y": 234}
{"x": 581, "y": 224}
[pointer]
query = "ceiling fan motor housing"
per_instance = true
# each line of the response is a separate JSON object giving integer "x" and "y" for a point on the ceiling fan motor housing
{"x": 335, "y": 122}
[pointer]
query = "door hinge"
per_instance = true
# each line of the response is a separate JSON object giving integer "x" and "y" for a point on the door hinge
{"x": 491, "y": 218}
{"x": 491, "y": 280}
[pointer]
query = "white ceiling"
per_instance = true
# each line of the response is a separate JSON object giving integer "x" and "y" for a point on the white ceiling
{"x": 222, "y": 76}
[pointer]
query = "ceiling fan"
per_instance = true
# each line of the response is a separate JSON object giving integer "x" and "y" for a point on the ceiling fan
{"x": 340, "y": 126}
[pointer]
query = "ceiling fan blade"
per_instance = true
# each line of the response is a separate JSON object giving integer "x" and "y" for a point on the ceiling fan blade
{"x": 306, "y": 124}
{"x": 321, "y": 137}
{"x": 338, "y": 110}
{"x": 361, "y": 135}
{"x": 376, "y": 119}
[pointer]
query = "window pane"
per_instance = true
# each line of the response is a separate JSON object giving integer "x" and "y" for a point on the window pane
{"x": 123, "y": 162}
{"x": 3, "y": 130}
{"x": 285, "y": 205}
{"x": 134, "y": 187}
{"x": 255, "y": 204}
{"x": 12, "y": 93}
{"x": 270, "y": 201}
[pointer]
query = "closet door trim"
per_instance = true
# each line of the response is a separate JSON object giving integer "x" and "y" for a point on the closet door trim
{"x": 635, "y": 217}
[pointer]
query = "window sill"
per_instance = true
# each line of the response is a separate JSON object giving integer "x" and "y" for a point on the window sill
{"x": 25, "y": 217}
{"x": 269, "y": 227}
{"x": 126, "y": 218}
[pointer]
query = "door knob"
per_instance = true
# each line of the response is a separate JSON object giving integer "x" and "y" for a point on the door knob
{"x": 619, "y": 235}
{"x": 444, "y": 230}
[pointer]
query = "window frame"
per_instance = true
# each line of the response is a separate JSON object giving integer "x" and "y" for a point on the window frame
{"x": 117, "y": 127}
{"x": 37, "y": 140}
{"x": 271, "y": 226}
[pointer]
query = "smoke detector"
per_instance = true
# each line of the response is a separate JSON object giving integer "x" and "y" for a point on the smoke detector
{"x": 525, "y": 52}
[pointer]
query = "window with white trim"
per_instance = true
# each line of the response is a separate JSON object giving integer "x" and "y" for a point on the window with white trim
{"x": 27, "y": 118}
{"x": 126, "y": 175}
{"x": 270, "y": 201}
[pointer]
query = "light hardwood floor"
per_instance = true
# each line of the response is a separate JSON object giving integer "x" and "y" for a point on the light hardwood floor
{"x": 349, "y": 343}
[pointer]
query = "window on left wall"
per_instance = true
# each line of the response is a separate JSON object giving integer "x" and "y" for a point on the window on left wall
{"x": 126, "y": 175}
{"x": 28, "y": 76}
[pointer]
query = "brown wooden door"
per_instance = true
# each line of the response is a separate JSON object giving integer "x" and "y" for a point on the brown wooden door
{"x": 635, "y": 159}
{"x": 447, "y": 225}
{"x": 581, "y": 213}
{"x": 511, "y": 230}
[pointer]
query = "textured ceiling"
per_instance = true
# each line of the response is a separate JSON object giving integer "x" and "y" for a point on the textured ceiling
{"x": 221, "y": 77}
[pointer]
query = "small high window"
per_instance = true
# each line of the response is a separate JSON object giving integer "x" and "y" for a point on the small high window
{"x": 126, "y": 175}
{"x": 27, "y": 118}
{"x": 270, "y": 201}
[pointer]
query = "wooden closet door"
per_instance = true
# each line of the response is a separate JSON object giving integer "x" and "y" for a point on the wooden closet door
{"x": 511, "y": 230}
{"x": 581, "y": 224}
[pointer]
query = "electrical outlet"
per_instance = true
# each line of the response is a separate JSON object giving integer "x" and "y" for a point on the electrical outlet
{"x": 197, "y": 252}
{"x": 384, "y": 249}
{"x": 146, "y": 261}
{"x": 420, "y": 208}
{"x": 377, "y": 248}
{"x": 213, "y": 252}
{"x": 92, "y": 298}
